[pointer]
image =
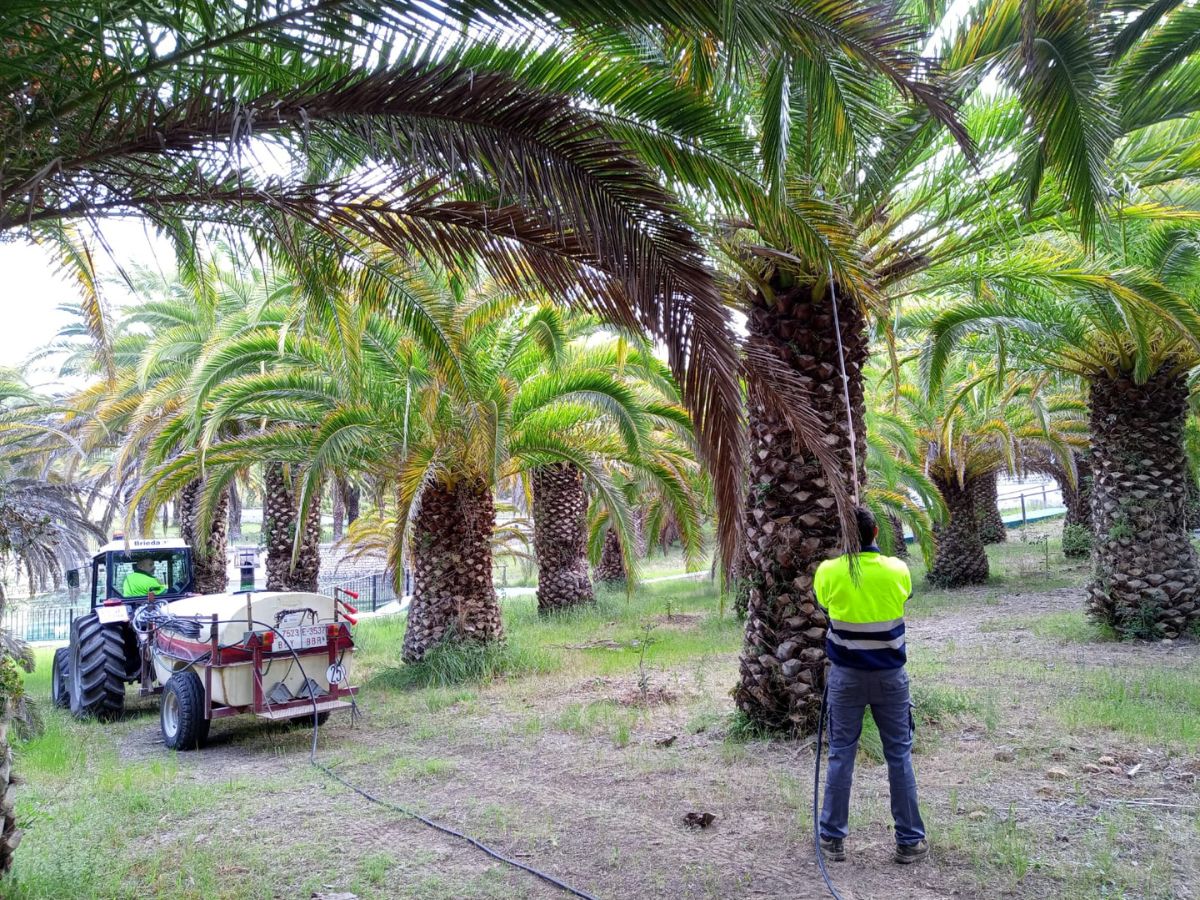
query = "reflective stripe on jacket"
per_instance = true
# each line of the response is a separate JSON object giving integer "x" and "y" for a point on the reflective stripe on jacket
{"x": 866, "y": 615}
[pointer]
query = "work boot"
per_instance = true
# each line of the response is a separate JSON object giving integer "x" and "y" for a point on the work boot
{"x": 833, "y": 849}
{"x": 911, "y": 853}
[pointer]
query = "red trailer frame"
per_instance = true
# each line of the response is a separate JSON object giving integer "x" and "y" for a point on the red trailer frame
{"x": 338, "y": 639}
{"x": 255, "y": 651}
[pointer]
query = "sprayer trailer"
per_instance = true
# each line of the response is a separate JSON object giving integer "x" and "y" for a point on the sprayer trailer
{"x": 276, "y": 655}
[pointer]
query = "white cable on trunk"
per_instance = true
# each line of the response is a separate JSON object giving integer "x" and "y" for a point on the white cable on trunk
{"x": 837, "y": 330}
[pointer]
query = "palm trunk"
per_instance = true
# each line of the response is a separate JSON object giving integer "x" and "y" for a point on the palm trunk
{"x": 899, "y": 545}
{"x": 280, "y": 508}
{"x": 339, "y": 508}
{"x": 669, "y": 534}
{"x": 10, "y": 835}
{"x": 1193, "y": 501}
{"x": 611, "y": 569}
{"x": 208, "y": 550}
{"x": 987, "y": 510}
{"x": 560, "y": 537}
{"x": 1146, "y": 578}
{"x": 960, "y": 558}
{"x": 279, "y": 526}
{"x": 792, "y": 522}
{"x": 235, "y": 513}
{"x": 1077, "y": 523}
{"x": 453, "y": 597}
{"x": 352, "y": 496}
{"x": 1078, "y": 499}
{"x": 639, "y": 532}
{"x": 306, "y": 573}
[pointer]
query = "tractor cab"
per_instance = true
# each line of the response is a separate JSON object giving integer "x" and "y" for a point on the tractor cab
{"x": 127, "y": 570}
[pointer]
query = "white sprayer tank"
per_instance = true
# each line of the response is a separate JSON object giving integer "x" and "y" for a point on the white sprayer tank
{"x": 233, "y": 685}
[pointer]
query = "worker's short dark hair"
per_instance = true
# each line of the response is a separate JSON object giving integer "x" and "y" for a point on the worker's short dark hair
{"x": 866, "y": 526}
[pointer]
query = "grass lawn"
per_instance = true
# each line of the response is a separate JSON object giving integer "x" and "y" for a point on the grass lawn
{"x": 1052, "y": 761}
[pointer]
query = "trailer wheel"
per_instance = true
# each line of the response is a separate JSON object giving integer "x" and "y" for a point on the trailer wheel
{"x": 60, "y": 678}
{"x": 307, "y": 719}
{"x": 182, "y": 713}
{"x": 96, "y": 669}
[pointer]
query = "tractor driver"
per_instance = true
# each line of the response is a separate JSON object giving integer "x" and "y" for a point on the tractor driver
{"x": 141, "y": 580}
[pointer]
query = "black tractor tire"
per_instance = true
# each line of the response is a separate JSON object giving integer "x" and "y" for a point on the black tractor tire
{"x": 181, "y": 715}
{"x": 97, "y": 669}
{"x": 60, "y": 678}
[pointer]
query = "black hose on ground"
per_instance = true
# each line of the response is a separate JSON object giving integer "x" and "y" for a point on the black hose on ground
{"x": 387, "y": 804}
{"x": 816, "y": 818}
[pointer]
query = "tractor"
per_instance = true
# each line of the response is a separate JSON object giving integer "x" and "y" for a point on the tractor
{"x": 280, "y": 655}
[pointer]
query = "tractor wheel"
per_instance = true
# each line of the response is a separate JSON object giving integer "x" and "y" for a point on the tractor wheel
{"x": 96, "y": 666}
{"x": 182, "y": 715}
{"x": 60, "y": 678}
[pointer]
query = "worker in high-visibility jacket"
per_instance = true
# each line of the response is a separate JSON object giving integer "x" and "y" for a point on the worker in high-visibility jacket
{"x": 141, "y": 580}
{"x": 865, "y": 646}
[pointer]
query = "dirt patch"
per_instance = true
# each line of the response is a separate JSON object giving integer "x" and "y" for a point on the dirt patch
{"x": 645, "y": 699}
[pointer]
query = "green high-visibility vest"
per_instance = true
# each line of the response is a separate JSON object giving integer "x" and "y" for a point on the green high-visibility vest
{"x": 139, "y": 584}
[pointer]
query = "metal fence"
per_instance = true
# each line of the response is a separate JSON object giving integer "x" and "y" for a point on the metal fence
{"x": 373, "y": 591}
{"x": 40, "y": 622}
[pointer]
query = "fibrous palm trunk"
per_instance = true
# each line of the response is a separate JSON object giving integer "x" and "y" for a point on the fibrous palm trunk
{"x": 899, "y": 545}
{"x": 1146, "y": 579}
{"x": 560, "y": 537}
{"x": 144, "y": 525}
{"x": 306, "y": 573}
{"x": 279, "y": 526}
{"x": 10, "y": 835}
{"x": 352, "y": 496}
{"x": 611, "y": 568}
{"x": 235, "y": 513}
{"x": 960, "y": 558}
{"x": 987, "y": 510}
{"x": 280, "y": 508}
{"x": 669, "y": 533}
{"x": 1193, "y": 501}
{"x": 208, "y": 550}
{"x": 1078, "y": 499}
{"x": 339, "y": 508}
{"x": 792, "y": 522}
{"x": 453, "y": 597}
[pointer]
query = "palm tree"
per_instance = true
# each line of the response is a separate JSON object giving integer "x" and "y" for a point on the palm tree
{"x": 992, "y": 529}
{"x": 1127, "y": 323}
{"x": 144, "y": 409}
{"x": 462, "y": 394}
{"x": 293, "y": 559}
{"x": 559, "y": 536}
{"x": 663, "y": 483}
{"x": 806, "y": 303}
{"x": 559, "y": 502}
{"x": 898, "y": 490}
{"x": 982, "y": 422}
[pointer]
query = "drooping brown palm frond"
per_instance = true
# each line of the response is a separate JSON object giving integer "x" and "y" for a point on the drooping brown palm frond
{"x": 564, "y": 202}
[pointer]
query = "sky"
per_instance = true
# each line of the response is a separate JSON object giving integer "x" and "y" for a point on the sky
{"x": 34, "y": 289}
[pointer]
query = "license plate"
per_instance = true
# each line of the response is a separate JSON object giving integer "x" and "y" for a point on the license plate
{"x": 301, "y": 637}
{"x": 110, "y": 615}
